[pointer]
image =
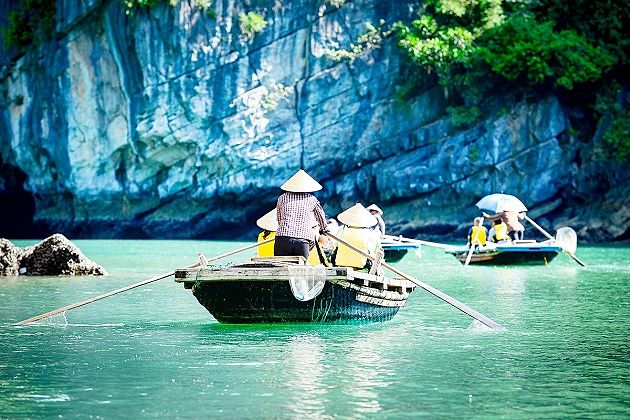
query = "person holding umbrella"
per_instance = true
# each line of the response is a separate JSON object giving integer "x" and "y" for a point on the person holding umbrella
{"x": 509, "y": 209}
{"x": 515, "y": 228}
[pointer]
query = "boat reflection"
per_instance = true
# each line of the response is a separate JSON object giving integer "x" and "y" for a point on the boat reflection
{"x": 306, "y": 368}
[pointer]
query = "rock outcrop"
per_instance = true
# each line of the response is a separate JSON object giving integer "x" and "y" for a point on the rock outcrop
{"x": 9, "y": 258}
{"x": 53, "y": 256}
{"x": 173, "y": 122}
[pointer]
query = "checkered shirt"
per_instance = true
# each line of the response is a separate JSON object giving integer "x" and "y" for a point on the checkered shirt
{"x": 295, "y": 215}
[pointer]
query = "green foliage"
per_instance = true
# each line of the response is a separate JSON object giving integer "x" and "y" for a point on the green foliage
{"x": 371, "y": 39}
{"x": 30, "y": 23}
{"x": 617, "y": 137}
{"x": 532, "y": 54}
{"x": 335, "y": 3}
{"x": 602, "y": 22}
{"x": 251, "y": 23}
{"x": 464, "y": 116}
{"x": 132, "y": 4}
{"x": 442, "y": 39}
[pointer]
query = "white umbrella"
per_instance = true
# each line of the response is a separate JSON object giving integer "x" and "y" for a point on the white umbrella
{"x": 501, "y": 202}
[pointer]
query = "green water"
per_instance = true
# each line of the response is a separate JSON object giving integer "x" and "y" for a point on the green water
{"x": 155, "y": 352}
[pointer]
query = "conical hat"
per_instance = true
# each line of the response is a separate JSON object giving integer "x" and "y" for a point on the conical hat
{"x": 357, "y": 216}
{"x": 269, "y": 221}
{"x": 301, "y": 182}
{"x": 375, "y": 208}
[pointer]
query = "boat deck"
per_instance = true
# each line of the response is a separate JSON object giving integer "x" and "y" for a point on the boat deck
{"x": 261, "y": 269}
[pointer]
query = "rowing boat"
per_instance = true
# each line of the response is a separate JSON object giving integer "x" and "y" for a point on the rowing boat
{"x": 516, "y": 253}
{"x": 262, "y": 291}
{"x": 395, "y": 250}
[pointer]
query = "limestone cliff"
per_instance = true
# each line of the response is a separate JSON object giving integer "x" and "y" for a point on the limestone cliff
{"x": 172, "y": 121}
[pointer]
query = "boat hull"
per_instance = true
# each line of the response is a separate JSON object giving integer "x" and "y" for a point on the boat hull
{"x": 509, "y": 255}
{"x": 394, "y": 255}
{"x": 247, "y": 302}
{"x": 260, "y": 291}
{"x": 395, "y": 251}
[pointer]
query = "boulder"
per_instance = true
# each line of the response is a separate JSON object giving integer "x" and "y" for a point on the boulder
{"x": 56, "y": 255}
{"x": 9, "y": 258}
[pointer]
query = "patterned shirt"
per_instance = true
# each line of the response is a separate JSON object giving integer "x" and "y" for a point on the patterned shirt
{"x": 295, "y": 215}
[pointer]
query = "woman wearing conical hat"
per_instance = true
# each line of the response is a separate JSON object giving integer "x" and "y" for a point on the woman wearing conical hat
{"x": 269, "y": 225}
{"x": 359, "y": 232}
{"x": 378, "y": 214}
{"x": 296, "y": 208}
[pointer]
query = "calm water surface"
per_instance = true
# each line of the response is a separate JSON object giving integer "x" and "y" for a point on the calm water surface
{"x": 155, "y": 352}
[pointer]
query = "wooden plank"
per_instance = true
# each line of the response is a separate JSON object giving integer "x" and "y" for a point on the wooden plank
{"x": 245, "y": 273}
{"x": 295, "y": 259}
{"x": 380, "y": 302}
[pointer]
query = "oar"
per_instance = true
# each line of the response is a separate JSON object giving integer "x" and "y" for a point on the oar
{"x": 469, "y": 256}
{"x": 548, "y": 236}
{"x": 473, "y": 242}
{"x": 446, "y": 298}
{"x": 133, "y": 286}
{"x": 416, "y": 241}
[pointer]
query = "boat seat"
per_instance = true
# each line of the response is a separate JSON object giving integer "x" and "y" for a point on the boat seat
{"x": 292, "y": 259}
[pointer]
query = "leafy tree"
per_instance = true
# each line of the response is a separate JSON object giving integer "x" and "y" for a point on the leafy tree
{"x": 533, "y": 54}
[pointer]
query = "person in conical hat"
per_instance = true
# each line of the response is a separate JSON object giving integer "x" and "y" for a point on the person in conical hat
{"x": 378, "y": 213}
{"x": 269, "y": 225}
{"x": 296, "y": 209}
{"x": 358, "y": 232}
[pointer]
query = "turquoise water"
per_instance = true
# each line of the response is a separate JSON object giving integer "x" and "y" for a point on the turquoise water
{"x": 155, "y": 352}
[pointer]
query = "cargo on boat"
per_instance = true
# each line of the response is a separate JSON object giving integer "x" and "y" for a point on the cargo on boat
{"x": 272, "y": 290}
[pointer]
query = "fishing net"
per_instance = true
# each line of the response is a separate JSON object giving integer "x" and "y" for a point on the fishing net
{"x": 567, "y": 238}
{"x": 306, "y": 282}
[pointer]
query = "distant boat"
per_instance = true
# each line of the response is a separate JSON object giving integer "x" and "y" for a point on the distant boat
{"x": 518, "y": 253}
{"x": 260, "y": 291}
{"x": 395, "y": 250}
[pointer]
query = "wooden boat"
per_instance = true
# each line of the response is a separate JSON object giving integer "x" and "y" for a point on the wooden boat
{"x": 517, "y": 253}
{"x": 396, "y": 250}
{"x": 259, "y": 291}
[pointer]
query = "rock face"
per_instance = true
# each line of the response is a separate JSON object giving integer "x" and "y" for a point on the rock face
{"x": 172, "y": 122}
{"x": 53, "y": 256}
{"x": 9, "y": 258}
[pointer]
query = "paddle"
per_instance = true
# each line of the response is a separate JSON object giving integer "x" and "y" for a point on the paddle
{"x": 132, "y": 286}
{"x": 469, "y": 256}
{"x": 548, "y": 236}
{"x": 416, "y": 241}
{"x": 446, "y": 298}
{"x": 473, "y": 242}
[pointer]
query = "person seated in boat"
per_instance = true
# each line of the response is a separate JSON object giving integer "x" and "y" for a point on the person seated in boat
{"x": 326, "y": 243}
{"x": 477, "y": 234}
{"x": 515, "y": 228}
{"x": 498, "y": 232}
{"x": 378, "y": 214}
{"x": 269, "y": 225}
{"x": 357, "y": 231}
{"x": 296, "y": 209}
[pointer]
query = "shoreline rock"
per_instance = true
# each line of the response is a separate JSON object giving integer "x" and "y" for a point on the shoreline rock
{"x": 55, "y": 255}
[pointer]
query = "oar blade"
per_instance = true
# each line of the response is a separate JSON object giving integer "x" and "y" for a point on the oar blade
{"x": 567, "y": 238}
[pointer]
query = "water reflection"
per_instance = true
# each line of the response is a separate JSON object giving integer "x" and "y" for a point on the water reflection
{"x": 369, "y": 369}
{"x": 306, "y": 375}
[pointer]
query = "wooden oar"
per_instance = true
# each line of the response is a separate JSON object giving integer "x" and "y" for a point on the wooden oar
{"x": 416, "y": 241}
{"x": 446, "y": 298}
{"x": 473, "y": 242}
{"x": 548, "y": 236}
{"x": 469, "y": 256}
{"x": 133, "y": 286}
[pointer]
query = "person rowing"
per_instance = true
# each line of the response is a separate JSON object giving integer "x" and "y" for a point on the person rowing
{"x": 296, "y": 208}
